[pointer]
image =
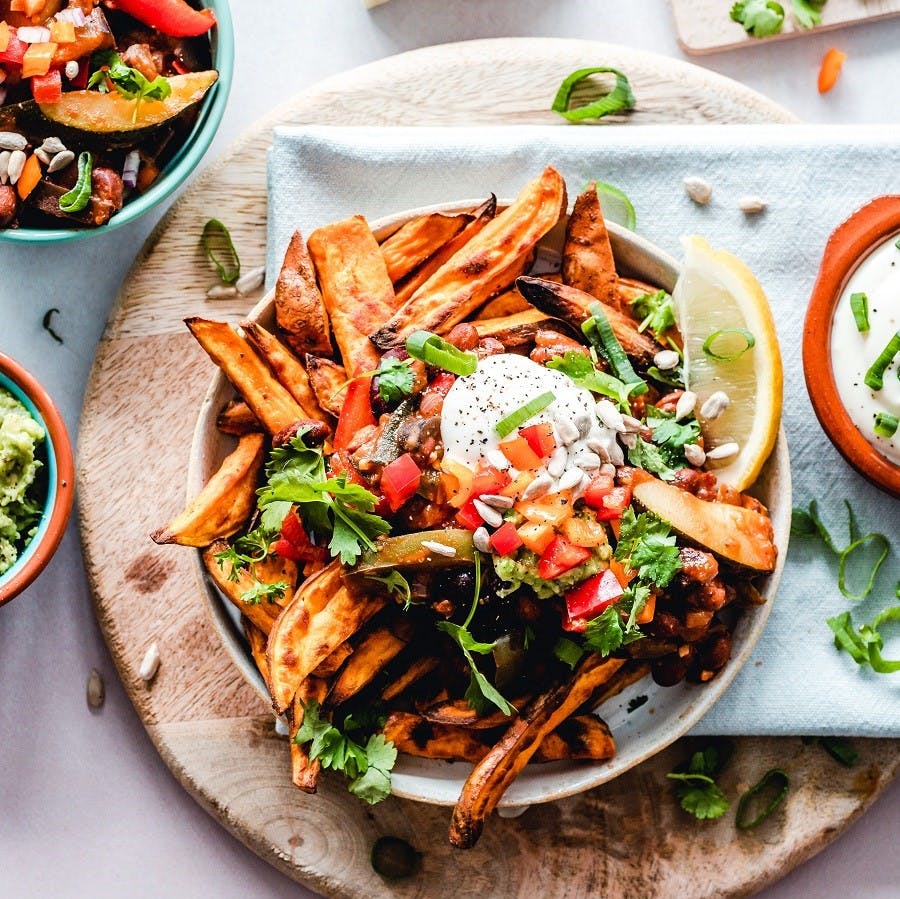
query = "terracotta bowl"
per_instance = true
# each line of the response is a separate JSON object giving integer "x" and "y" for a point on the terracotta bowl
{"x": 57, "y": 478}
{"x": 847, "y": 247}
{"x": 669, "y": 713}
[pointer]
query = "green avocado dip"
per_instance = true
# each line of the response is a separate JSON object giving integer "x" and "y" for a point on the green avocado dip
{"x": 20, "y": 506}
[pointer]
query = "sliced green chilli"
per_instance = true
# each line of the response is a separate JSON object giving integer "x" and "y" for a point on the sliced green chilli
{"x": 219, "y": 249}
{"x": 619, "y": 99}
{"x": 774, "y": 782}
{"x": 79, "y": 196}
{"x": 519, "y": 416}
{"x": 709, "y": 351}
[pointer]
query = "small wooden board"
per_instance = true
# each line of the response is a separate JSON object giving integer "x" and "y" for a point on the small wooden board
{"x": 705, "y": 26}
{"x": 625, "y": 839}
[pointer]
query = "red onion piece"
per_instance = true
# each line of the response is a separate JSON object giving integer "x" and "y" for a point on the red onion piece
{"x": 130, "y": 169}
{"x": 73, "y": 14}
{"x": 33, "y": 34}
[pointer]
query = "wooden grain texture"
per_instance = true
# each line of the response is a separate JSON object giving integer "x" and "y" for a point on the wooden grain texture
{"x": 705, "y": 26}
{"x": 625, "y": 839}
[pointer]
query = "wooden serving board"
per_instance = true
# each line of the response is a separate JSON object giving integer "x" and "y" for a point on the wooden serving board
{"x": 705, "y": 26}
{"x": 625, "y": 839}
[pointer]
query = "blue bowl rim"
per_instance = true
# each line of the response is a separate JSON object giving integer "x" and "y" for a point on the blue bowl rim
{"x": 181, "y": 165}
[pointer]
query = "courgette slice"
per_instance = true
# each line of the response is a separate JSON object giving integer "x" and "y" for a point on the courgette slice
{"x": 406, "y": 551}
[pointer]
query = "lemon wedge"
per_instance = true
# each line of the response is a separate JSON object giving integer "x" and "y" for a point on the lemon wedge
{"x": 720, "y": 304}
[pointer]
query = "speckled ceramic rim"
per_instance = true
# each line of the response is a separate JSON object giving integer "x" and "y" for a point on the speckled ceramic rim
{"x": 850, "y": 243}
{"x": 182, "y": 163}
{"x": 61, "y": 476}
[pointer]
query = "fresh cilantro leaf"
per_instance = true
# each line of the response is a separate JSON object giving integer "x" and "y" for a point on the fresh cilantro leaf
{"x": 604, "y": 633}
{"x": 674, "y": 377}
{"x": 636, "y": 702}
{"x": 128, "y": 82}
{"x": 245, "y": 552}
{"x": 396, "y": 584}
{"x": 395, "y": 379}
{"x": 583, "y": 372}
{"x": 568, "y": 651}
{"x": 698, "y": 793}
{"x": 233, "y": 558}
{"x": 268, "y": 592}
{"x": 374, "y": 784}
{"x": 760, "y": 18}
{"x": 633, "y": 600}
{"x": 656, "y": 311}
{"x": 672, "y": 436}
{"x": 808, "y": 13}
{"x": 646, "y": 545}
{"x": 650, "y": 458}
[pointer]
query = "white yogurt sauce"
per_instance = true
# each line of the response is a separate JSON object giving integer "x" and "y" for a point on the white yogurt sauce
{"x": 853, "y": 352}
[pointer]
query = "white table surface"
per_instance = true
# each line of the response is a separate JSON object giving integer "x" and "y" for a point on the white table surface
{"x": 87, "y": 808}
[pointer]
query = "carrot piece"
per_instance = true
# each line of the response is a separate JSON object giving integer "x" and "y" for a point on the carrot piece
{"x": 37, "y": 59}
{"x": 30, "y": 177}
{"x": 4, "y": 36}
{"x": 832, "y": 64}
{"x": 649, "y": 610}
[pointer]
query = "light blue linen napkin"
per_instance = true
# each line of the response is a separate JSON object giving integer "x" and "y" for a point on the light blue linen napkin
{"x": 812, "y": 178}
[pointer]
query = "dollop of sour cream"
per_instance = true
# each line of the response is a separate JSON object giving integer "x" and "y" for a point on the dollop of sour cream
{"x": 853, "y": 352}
{"x": 499, "y": 386}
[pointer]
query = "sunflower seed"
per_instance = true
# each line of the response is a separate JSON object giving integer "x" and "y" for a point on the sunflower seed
{"x": 150, "y": 664}
{"x": 724, "y": 451}
{"x": 481, "y": 540}
{"x": 4, "y": 166}
{"x": 587, "y": 460}
{"x": 698, "y": 189}
{"x": 496, "y": 501}
{"x": 715, "y": 405}
{"x": 571, "y": 478}
{"x": 221, "y": 292}
{"x": 632, "y": 425}
{"x": 60, "y": 161}
{"x": 15, "y": 166}
{"x": 490, "y": 516}
{"x": 567, "y": 430}
{"x": 440, "y": 548}
{"x": 538, "y": 487}
{"x": 53, "y": 145}
{"x": 557, "y": 464}
{"x": 610, "y": 416}
{"x": 685, "y": 404}
{"x": 72, "y": 69}
{"x": 607, "y": 470}
{"x": 43, "y": 155}
{"x": 751, "y": 205}
{"x": 583, "y": 422}
{"x": 251, "y": 280}
{"x": 96, "y": 692}
{"x": 496, "y": 458}
{"x": 693, "y": 452}
{"x": 629, "y": 441}
{"x": 10, "y": 140}
{"x": 666, "y": 360}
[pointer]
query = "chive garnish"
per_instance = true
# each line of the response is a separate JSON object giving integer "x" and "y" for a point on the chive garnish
{"x": 618, "y": 99}
{"x": 749, "y": 343}
{"x": 886, "y": 424}
{"x": 219, "y": 249}
{"x": 875, "y": 374}
{"x": 865, "y": 645}
{"x": 432, "y": 350}
{"x": 859, "y": 306}
{"x": 507, "y": 425}
{"x": 774, "y": 781}
{"x": 79, "y": 196}
{"x": 599, "y": 332}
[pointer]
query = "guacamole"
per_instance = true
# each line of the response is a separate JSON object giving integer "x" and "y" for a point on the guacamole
{"x": 521, "y": 570}
{"x": 20, "y": 506}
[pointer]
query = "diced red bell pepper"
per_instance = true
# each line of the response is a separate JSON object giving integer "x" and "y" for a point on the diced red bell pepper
{"x": 441, "y": 383}
{"x": 356, "y": 413}
{"x": 292, "y": 529}
{"x": 589, "y": 599}
{"x": 540, "y": 438}
{"x": 469, "y": 518}
{"x": 340, "y": 464}
{"x": 47, "y": 88}
{"x": 172, "y": 17}
{"x": 15, "y": 50}
{"x": 400, "y": 481}
{"x": 505, "y": 540}
{"x": 601, "y": 486}
{"x": 614, "y": 504}
{"x": 559, "y": 557}
{"x": 520, "y": 454}
{"x": 294, "y": 542}
{"x": 489, "y": 480}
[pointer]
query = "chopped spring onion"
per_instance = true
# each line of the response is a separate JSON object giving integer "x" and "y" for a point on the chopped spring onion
{"x": 599, "y": 331}
{"x": 840, "y": 750}
{"x": 219, "y": 249}
{"x": 618, "y": 99}
{"x": 859, "y": 306}
{"x": 875, "y": 374}
{"x": 774, "y": 782}
{"x": 749, "y": 343}
{"x": 616, "y": 206}
{"x": 886, "y": 424}
{"x": 876, "y": 540}
{"x": 79, "y": 196}
{"x": 432, "y": 350}
{"x": 507, "y": 425}
{"x": 865, "y": 645}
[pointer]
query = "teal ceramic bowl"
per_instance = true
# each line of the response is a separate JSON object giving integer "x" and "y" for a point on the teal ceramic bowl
{"x": 181, "y": 165}
{"x": 55, "y": 482}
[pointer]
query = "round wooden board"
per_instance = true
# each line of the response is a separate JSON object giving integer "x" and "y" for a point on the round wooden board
{"x": 625, "y": 839}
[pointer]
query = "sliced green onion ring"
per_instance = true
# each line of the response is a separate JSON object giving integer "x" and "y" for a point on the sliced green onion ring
{"x": 716, "y": 335}
{"x": 859, "y": 306}
{"x": 615, "y": 205}
{"x": 840, "y": 750}
{"x": 599, "y": 331}
{"x": 507, "y": 425}
{"x": 875, "y": 539}
{"x": 80, "y": 195}
{"x": 618, "y": 99}
{"x": 875, "y": 374}
{"x": 872, "y": 634}
{"x": 432, "y": 350}
{"x": 219, "y": 249}
{"x": 886, "y": 424}
{"x": 773, "y": 780}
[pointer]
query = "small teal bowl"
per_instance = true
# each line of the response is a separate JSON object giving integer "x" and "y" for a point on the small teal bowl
{"x": 57, "y": 478}
{"x": 182, "y": 163}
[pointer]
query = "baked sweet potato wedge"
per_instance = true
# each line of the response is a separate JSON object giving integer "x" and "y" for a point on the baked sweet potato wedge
{"x": 224, "y": 504}
{"x": 587, "y": 259}
{"x": 520, "y": 328}
{"x": 257, "y": 641}
{"x": 299, "y": 309}
{"x": 356, "y": 288}
{"x": 237, "y": 419}
{"x": 327, "y": 377}
{"x": 305, "y": 771}
{"x": 507, "y": 303}
{"x": 415, "y": 671}
{"x": 410, "y": 245}
{"x": 483, "y": 267}
{"x": 330, "y": 665}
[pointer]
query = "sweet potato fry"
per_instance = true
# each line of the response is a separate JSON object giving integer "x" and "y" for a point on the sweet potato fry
{"x": 237, "y": 419}
{"x": 571, "y": 305}
{"x": 356, "y": 288}
{"x": 519, "y": 329}
{"x": 507, "y": 303}
{"x": 285, "y": 366}
{"x": 326, "y": 379}
{"x": 329, "y": 666}
{"x": 578, "y": 737}
{"x": 272, "y": 570}
{"x": 224, "y": 504}
{"x": 322, "y": 614}
{"x": 421, "y": 237}
{"x": 458, "y": 713}
{"x": 496, "y": 771}
{"x": 588, "y": 262}
{"x": 257, "y": 640}
{"x": 483, "y": 267}
{"x": 479, "y": 218}
{"x": 417, "y": 669}
{"x": 628, "y": 674}
{"x": 299, "y": 309}
{"x": 305, "y": 772}
{"x": 270, "y": 402}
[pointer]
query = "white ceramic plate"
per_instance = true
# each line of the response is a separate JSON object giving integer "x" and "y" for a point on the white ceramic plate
{"x": 669, "y": 713}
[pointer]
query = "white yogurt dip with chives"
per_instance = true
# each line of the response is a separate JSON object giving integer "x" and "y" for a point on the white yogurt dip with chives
{"x": 853, "y": 351}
